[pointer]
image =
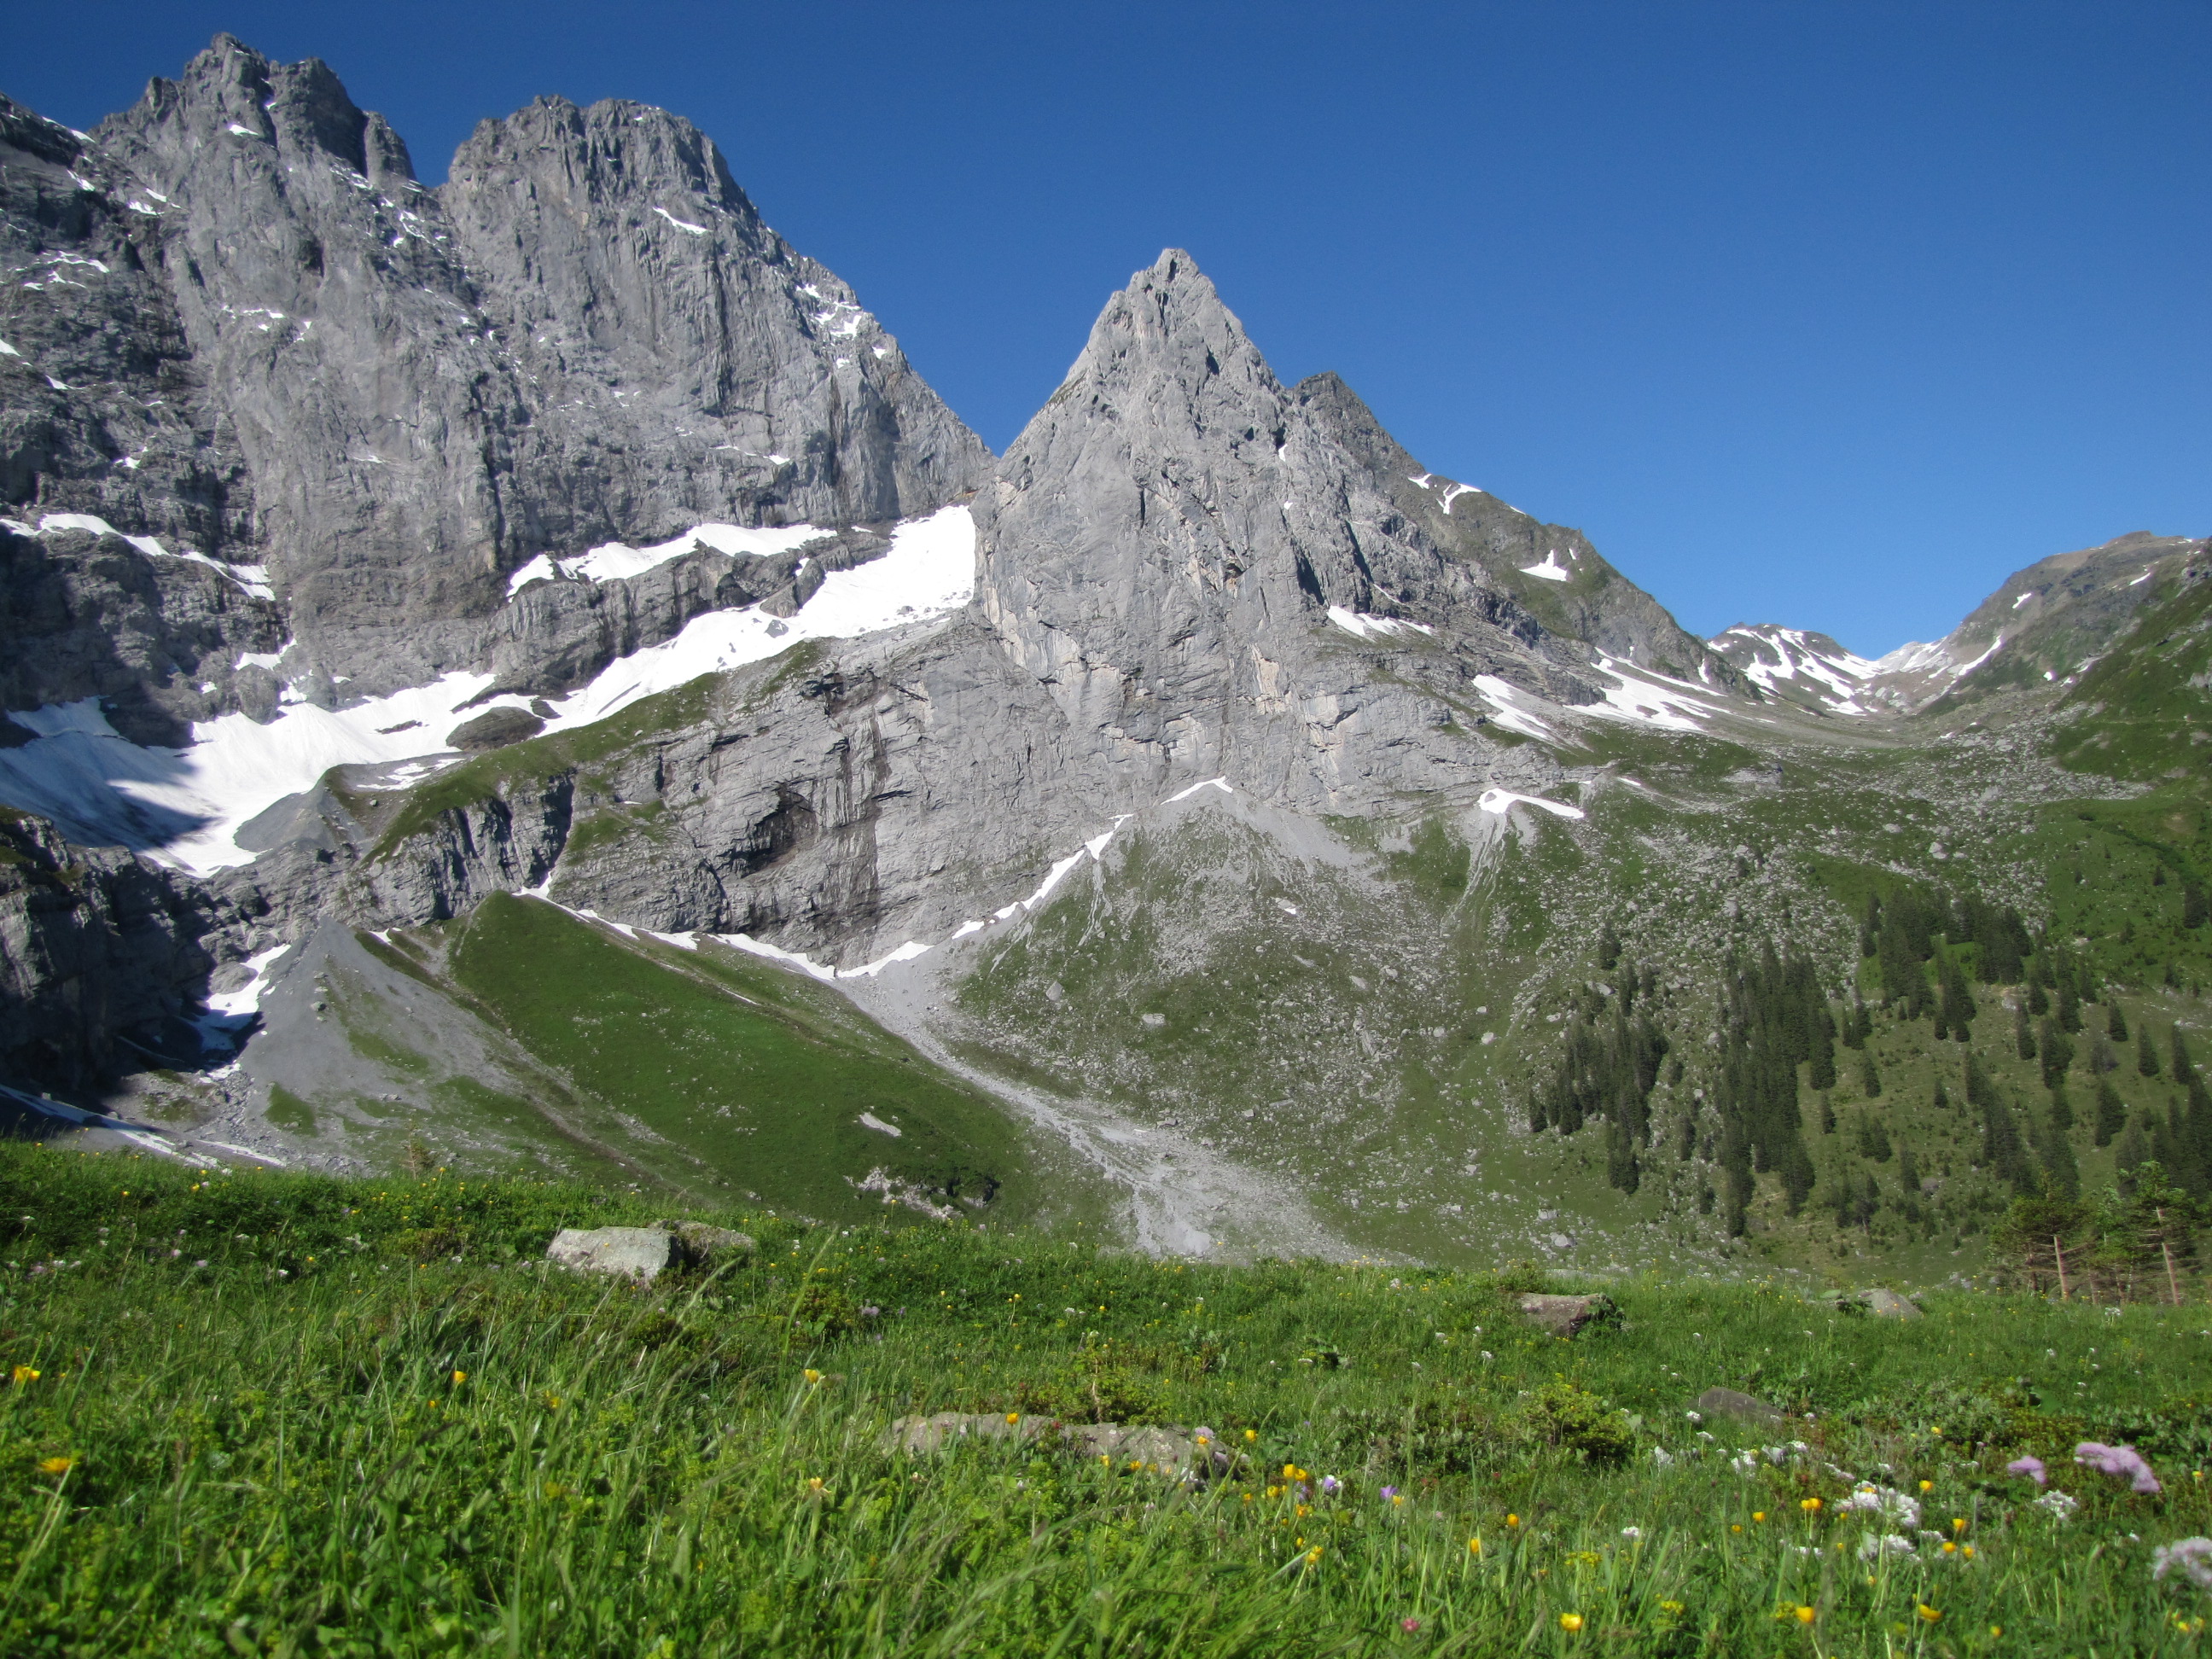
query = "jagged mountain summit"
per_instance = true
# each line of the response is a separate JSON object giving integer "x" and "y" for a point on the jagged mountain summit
{"x": 254, "y": 337}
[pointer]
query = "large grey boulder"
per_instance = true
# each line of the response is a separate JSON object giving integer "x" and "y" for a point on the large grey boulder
{"x": 643, "y": 1252}
{"x": 1568, "y": 1316}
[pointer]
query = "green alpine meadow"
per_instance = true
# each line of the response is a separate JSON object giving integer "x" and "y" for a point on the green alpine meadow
{"x": 281, "y": 1413}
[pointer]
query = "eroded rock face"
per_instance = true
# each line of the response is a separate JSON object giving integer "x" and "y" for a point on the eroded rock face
{"x": 256, "y": 332}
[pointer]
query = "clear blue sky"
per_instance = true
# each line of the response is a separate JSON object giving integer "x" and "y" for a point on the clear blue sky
{"x": 1824, "y": 311}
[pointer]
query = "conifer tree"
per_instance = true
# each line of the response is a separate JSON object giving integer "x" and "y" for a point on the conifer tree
{"x": 2023, "y": 1038}
{"x": 2057, "y": 1052}
{"x": 2146, "y": 1052}
{"x": 2111, "y": 1112}
{"x": 1873, "y": 1139}
{"x": 2116, "y": 1022}
{"x": 1869, "y": 1075}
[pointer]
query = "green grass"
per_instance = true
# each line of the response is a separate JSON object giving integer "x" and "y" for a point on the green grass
{"x": 355, "y": 1418}
{"x": 760, "y": 1078}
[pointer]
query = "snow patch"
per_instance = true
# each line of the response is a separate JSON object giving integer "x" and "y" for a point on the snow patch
{"x": 1511, "y": 707}
{"x": 681, "y": 224}
{"x": 870, "y": 1120}
{"x": 1551, "y": 570}
{"x": 1222, "y": 784}
{"x": 617, "y": 561}
{"x": 1504, "y": 801}
{"x": 1362, "y": 625}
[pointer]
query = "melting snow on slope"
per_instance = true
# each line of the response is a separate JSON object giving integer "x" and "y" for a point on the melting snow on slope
{"x": 1551, "y": 570}
{"x": 681, "y": 224}
{"x": 1653, "y": 698}
{"x": 186, "y": 804}
{"x": 1504, "y": 801}
{"x": 230, "y": 1012}
{"x": 253, "y": 578}
{"x": 616, "y": 561}
{"x": 1514, "y": 708}
{"x": 1361, "y": 625}
{"x": 1843, "y": 674}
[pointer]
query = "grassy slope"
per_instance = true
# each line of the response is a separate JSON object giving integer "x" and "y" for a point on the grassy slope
{"x": 701, "y": 1072}
{"x": 349, "y": 1418}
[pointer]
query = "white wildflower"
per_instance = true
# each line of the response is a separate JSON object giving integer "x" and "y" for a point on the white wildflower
{"x": 1745, "y": 1462}
{"x": 2058, "y": 1505}
{"x": 1887, "y": 1502}
{"x": 1875, "y": 1545}
{"x": 1661, "y": 1456}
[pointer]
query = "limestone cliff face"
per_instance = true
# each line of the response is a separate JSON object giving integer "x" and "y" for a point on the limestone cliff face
{"x": 393, "y": 397}
{"x": 1163, "y": 548}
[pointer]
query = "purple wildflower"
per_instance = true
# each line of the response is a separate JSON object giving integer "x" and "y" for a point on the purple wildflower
{"x": 2117, "y": 1459}
{"x": 2192, "y": 1557}
{"x": 2030, "y": 1466}
{"x": 1389, "y": 1492}
{"x": 1330, "y": 1484}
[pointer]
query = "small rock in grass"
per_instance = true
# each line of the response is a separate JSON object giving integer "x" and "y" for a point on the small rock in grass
{"x": 1727, "y": 1402}
{"x": 1565, "y": 1315}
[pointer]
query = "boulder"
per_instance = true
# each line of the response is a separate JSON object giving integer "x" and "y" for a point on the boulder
{"x": 1565, "y": 1315}
{"x": 643, "y": 1253}
{"x": 1888, "y": 1304}
{"x": 941, "y": 1429}
{"x": 1179, "y": 1454}
{"x": 494, "y": 729}
{"x": 1727, "y": 1402}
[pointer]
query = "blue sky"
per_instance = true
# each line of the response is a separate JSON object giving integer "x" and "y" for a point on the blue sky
{"x": 1824, "y": 314}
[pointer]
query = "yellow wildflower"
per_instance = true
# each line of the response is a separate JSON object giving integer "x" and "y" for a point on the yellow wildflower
{"x": 814, "y": 1483}
{"x": 1313, "y": 1556}
{"x": 1512, "y": 1520}
{"x": 1958, "y": 1524}
{"x": 1670, "y": 1607}
{"x": 1927, "y": 1614}
{"x": 1758, "y": 1515}
{"x": 55, "y": 1466}
{"x": 1804, "y": 1615}
{"x": 1474, "y": 1547}
{"x": 26, "y": 1375}
{"x": 1928, "y": 1485}
{"x": 1251, "y": 1435}
{"x": 1570, "y": 1622}
{"x": 459, "y": 1377}
{"x": 812, "y": 1375}
{"x": 1013, "y": 1416}
{"x": 1810, "y": 1505}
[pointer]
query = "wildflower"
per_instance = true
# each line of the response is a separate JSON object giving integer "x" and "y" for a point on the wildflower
{"x": 459, "y": 1377}
{"x": 812, "y": 1375}
{"x": 1570, "y": 1622}
{"x": 1397, "y": 1498}
{"x": 1875, "y": 1545}
{"x": 1016, "y": 1417}
{"x": 1313, "y": 1556}
{"x": 1736, "y": 1526}
{"x": 27, "y": 1374}
{"x": 1633, "y": 1534}
{"x": 1474, "y": 1547}
{"x": 1409, "y": 1626}
{"x": 552, "y": 1402}
{"x": 1886, "y": 1502}
{"x": 1389, "y": 1491}
{"x": 2191, "y": 1557}
{"x": 1250, "y": 1435}
{"x": 1810, "y": 1506}
{"x": 814, "y": 1484}
{"x": 1662, "y": 1457}
{"x": 1928, "y": 1485}
{"x": 1512, "y": 1520}
{"x": 1329, "y": 1483}
{"x": 1927, "y": 1614}
{"x": 1958, "y": 1522}
{"x": 1805, "y": 1615}
{"x": 1966, "y": 1550}
{"x": 1758, "y": 1515}
{"x": 1950, "y": 1548}
{"x": 1670, "y": 1607}
{"x": 2117, "y": 1459}
{"x": 2030, "y": 1466}
{"x": 61, "y": 1465}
